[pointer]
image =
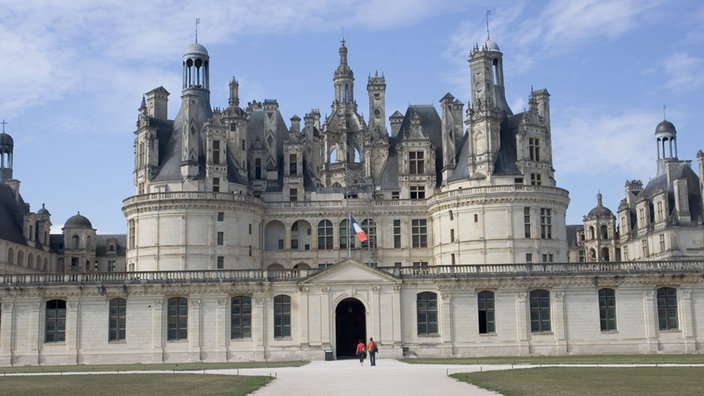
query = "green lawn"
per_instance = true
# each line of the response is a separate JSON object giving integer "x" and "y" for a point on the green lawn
{"x": 580, "y": 359}
{"x": 131, "y": 384}
{"x": 146, "y": 367}
{"x": 591, "y": 381}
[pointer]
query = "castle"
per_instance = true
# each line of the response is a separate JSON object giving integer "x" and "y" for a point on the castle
{"x": 445, "y": 235}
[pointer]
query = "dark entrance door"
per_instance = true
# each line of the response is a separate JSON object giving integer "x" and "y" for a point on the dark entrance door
{"x": 350, "y": 327}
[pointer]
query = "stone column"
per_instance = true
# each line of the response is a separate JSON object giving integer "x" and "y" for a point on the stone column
{"x": 158, "y": 333}
{"x": 73, "y": 332}
{"x": 559, "y": 322}
{"x": 7, "y": 325}
{"x": 522, "y": 324}
{"x": 687, "y": 321}
{"x": 304, "y": 318}
{"x": 260, "y": 331}
{"x": 650, "y": 321}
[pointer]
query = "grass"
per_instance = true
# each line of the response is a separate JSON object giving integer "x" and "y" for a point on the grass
{"x": 146, "y": 367}
{"x": 590, "y": 381}
{"x": 131, "y": 384}
{"x": 577, "y": 359}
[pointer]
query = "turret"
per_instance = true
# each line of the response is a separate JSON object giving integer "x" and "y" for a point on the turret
{"x": 376, "y": 88}
{"x": 6, "y": 148}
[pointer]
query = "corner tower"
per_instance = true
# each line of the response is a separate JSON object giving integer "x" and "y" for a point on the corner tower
{"x": 195, "y": 108}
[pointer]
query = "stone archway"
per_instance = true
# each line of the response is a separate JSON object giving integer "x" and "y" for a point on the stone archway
{"x": 350, "y": 327}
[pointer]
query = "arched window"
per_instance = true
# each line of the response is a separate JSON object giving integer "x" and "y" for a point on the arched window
{"x": 240, "y": 317}
{"x": 485, "y": 304}
{"x": 591, "y": 233}
{"x": 369, "y": 227}
{"x": 117, "y": 319}
{"x": 607, "y": 309}
{"x": 75, "y": 242}
{"x": 30, "y": 261}
{"x": 177, "y": 319}
{"x": 55, "y": 321}
{"x": 282, "y": 316}
{"x": 539, "y": 311}
{"x": 605, "y": 254}
{"x": 604, "y": 232}
{"x": 20, "y": 258}
{"x": 325, "y": 235}
{"x": 667, "y": 308}
{"x": 345, "y": 237}
{"x": 10, "y": 256}
{"x": 427, "y": 313}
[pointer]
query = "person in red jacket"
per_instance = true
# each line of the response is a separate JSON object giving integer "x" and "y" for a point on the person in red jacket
{"x": 361, "y": 352}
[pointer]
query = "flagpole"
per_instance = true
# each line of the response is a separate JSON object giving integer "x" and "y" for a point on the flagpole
{"x": 349, "y": 233}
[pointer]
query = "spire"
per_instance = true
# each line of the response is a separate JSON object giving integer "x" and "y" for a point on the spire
{"x": 197, "y": 23}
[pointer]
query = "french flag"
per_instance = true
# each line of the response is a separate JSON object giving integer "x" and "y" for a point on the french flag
{"x": 356, "y": 229}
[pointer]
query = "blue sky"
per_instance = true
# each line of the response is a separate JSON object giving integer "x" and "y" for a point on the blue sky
{"x": 74, "y": 74}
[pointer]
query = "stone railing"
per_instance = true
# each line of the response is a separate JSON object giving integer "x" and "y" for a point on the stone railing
{"x": 440, "y": 271}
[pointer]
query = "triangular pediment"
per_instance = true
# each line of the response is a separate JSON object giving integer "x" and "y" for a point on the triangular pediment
{"x": 350, "y": 271}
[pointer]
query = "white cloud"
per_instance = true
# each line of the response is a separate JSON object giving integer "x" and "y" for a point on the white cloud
{"x": 684, "y": 72}
{"x": 586, "y": 142}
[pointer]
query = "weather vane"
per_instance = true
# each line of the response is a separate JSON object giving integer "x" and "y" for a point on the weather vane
{"x": 197, "y": 23}
{"x": 488, "y": 12}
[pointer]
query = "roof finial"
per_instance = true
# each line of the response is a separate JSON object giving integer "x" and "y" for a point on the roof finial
{"x": 343, "y": 36}
{"x": 3, "y": 125}
{"x": 488, "y": 12}
{"x": 664, "y": 113}
{"x": 197, "y": 23}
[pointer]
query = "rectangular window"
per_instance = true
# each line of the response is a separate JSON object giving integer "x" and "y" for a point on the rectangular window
{"x": 452, "y": 235}
{"x": 534, "y": 149}
{"x": 581, "y": 256}
{"x": 547, "y": 258}
{"x": 220, "y": 262}
{"x": 257, "y": 168}
{"x": 117, "y": 321}
{"x": 293, "y": 165}
{"x": 294, "y": 244}
{"x": 281, "y": 244}
{"x": 545, "y": 223}
{"x": 485, "y": 303}
{"x": 221, "y": 238}
{"x": 420, "y": 267}
{"x": 535, "y": 179}
{"x": 644, "y": 247}
{"x": 233, "y": 127}
{"x": 452, "y": 259}
{"x": 659, "y": 212}
{"x": 415, "y": 163}
{"x": 539, "y": 311}
{"x": 55, "y": 321}
{"x": 250, "y": 250}
{"x": 607, "y": 309}
{"x": 240, "y": 317}
{"x": 177, "y": 319}
{"x": 325, "y": 235}
{"x": 662, "y": 242}
{"x": 221, "y": 216}
{"x": 216, "y": 152}
{"x": 131, "y": 234}
{"x": 243, "y": 145}
{"x": 282, "y": 316}
{"x": 397, "y": 233}
{"x": 249, "y": 228}
{"x": 216, "y": 184}
{"x": 667, "y": 308}
{"x": 417, "y": 192}
{"x": 452, "y": 216}
{"x": 395, "y": 195}
{"x": 526, "y": 222}
{"x": 529, "y": 257}
{"x": 427, "y": 313}
{"x": 293, "y": 195}
{"x": 419, "y": 233}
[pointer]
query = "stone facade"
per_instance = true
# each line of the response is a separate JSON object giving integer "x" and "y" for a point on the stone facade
{"x": 240, "y": 247}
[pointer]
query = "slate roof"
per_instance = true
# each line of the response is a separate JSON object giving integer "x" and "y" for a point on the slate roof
{"x": 11, "y": 215}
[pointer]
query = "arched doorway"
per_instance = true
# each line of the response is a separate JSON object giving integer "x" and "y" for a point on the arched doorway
{"x": 350, "y": 326}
